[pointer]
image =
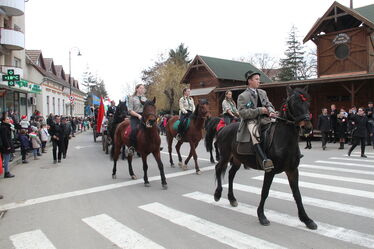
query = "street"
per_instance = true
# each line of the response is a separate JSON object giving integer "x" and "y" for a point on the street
{"x": 77, "y": 204}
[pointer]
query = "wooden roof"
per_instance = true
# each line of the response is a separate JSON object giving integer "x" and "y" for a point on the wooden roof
{"x": 338, "y": 17}
{"x": 224, "y": 69}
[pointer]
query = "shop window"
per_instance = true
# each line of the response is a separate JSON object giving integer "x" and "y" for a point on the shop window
{"x": 58, "y": 106}
{"x": 9, "y": 101}
{"x": 53, "y": 106}
{"x": 48, "y": 112}
{"x": 16, "y": 102}
{"x": 23, "y": 104}
{"x": 63, "y": 107}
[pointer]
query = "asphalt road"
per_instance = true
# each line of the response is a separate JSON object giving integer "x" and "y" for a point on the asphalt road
{"x": 77, "y": 204}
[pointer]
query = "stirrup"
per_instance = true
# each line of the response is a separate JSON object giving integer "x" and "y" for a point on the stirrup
{"x": 178, "y": 137}
{"x": 267, "y": 165}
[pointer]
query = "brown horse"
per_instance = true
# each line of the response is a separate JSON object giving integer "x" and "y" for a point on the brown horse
{"x": 148, "y": 141}
{"x": 192, "y": 136}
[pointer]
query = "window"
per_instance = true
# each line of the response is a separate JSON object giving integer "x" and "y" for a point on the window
{"x": 58, "y": 106}
{"x": 17, "y": 62}
{"x": 48, "y": 112}
{"x": 53, "y": 106}
{"x": 23, "y": 104}
{"x": 63, "y": 107}
{"x": 342, "y": 51}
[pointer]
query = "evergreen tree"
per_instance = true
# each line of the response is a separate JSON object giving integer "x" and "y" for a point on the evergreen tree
{"x": 179, "y": 55}
{"x": 294, "y": 64}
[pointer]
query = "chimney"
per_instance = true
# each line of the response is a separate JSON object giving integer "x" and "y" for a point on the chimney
{"x": 351, "y": 4}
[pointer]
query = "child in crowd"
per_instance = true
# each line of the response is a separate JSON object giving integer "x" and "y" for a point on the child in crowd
{"x": 25, "y": 144}
{"x": 35, "y": 141}
{"x": 44, "y": 136}
{"x": 24, "y": 123}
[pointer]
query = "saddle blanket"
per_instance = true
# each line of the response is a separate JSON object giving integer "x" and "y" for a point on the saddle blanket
{"x": 176, "y": 124}
{"x": 220, "y": 125}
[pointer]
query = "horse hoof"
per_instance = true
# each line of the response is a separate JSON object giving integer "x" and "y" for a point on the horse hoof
{"x": 164, "y": 186}
{"x": 114, "y": 177}
{"x": 212, "y": 161}
{"x": 217, "y": 198}
{"x": 264, "y": 221}
{"x": 198, "y": 172}
{"x": 234, "y": 203}
{"x": 311, "y": 225}
{"x": 180, "y": 164}
{"x": 172, "y": 165}
{"x": 133, "y": 177}
{"x": 185, "y": 167}
{"x": 147, "y": 184}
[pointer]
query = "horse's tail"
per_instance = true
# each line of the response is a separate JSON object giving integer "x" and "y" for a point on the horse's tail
{"x": 117, "y": 141}
{"x": 211, "y": 132}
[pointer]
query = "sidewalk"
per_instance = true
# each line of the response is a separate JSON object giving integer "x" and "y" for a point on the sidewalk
{"x": 18, "y": 158}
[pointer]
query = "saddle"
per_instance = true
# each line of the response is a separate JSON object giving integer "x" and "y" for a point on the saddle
{"x": 266, "y": 138}
{"x": 220, "y": 125}
{"x": 178, "y": 122}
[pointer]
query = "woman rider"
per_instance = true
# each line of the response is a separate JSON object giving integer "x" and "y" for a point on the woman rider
{"x": 229, "y": 108}
{"x": 187, "y": 107}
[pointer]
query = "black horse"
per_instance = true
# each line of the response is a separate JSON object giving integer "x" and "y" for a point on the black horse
{"x": 211, "y": 132}
{"x": 119, "y": 115}
{"x": 283, "y": 151}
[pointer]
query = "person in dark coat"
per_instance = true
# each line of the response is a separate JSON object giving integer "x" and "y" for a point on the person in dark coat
{"x": 25, "y": 144}
{"x": 324, "y": 125}
{"x": 370, "y": 114}
{"x": 66, "y": 135}
{"x": 360, "y": 131}
{"x": 56, "y": 132}
{"x": 334, "y": 123}
{"x": 342, "y": 128}
{"x": 6, "y": 145}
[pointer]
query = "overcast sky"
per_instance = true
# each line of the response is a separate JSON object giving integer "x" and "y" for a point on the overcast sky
{"x": 119, "y": 38}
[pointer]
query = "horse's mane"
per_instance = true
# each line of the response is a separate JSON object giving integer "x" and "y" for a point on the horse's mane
{"x": 195, "y": 114}
{"x": 148, "y": 103}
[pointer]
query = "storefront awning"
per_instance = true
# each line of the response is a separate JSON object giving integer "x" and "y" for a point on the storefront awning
{"x": 202, "y": 91}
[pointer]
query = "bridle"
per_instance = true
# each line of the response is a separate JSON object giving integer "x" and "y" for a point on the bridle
{"x": 289, "y": 117}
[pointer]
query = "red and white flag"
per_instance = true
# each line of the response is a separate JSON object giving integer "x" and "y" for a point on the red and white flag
{"x": 100, "y": 116}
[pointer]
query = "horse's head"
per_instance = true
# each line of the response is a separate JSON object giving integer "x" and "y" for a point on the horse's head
{"x": 296, "y": 108}
{"x": 202, "y": 109}
{"x": 121, "y": 109}
{"x": 149, "y": 113}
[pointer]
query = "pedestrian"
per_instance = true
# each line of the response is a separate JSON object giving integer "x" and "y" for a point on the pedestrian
{"x": 369, "y": 111}
{"x": 186, "y": 108}
{"x": 324, "y": 125}
{"x": 24, "y": 144}
{"x": 24, "y": 123}
{"x": 360, "y": 131}
{"x": 44, "y": 137}
{"x": 341, "y": 128}
{"x": 308, "y": 136}
{"x": 66, "y": 135}
{"x": 56, "y": 133}
{"x": 229, "y": 110}
{"x": 6, "y": 145}
{"x": 35, "y": 142}
{"x": 334, "y": 120}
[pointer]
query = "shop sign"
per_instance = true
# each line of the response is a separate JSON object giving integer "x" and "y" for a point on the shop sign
{"x": 341, "y": 38}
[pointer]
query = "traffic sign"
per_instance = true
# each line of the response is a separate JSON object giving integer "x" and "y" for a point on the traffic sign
{"x": 11, "y": 77}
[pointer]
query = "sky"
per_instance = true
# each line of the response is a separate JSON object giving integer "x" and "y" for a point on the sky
{"x": 118, "y": 38}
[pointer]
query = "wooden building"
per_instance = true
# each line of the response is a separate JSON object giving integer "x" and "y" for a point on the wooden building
{"x": 345, "y": 56}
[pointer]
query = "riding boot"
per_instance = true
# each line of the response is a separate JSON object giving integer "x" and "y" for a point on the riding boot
{"x": 341, "y": 146}
{"x": 266, "y": 164}
{"x": 363, "y": 151}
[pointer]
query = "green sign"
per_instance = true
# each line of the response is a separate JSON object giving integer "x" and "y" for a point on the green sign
{"x": 11, "y": 77}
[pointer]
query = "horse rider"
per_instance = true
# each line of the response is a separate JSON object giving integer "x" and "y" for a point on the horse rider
{"x": 254, "y": 109}
{"x": 230, "y": 112}
{"x": 111, "y": 109}
{"x": 135, "y": 108}
{"x": 186, "y": 108}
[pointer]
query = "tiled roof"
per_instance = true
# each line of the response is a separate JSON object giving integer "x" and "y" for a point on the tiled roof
{"x": 33, "y": 54}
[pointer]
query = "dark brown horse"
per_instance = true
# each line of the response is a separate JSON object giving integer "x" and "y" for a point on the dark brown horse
{"x": 193, "y": 135}
{"x": 148, "y": 141}
{"x": 283, "y": 151}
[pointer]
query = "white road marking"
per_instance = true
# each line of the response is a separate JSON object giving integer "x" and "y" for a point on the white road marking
{"x": 86, "y": 191}
{"x": 327, "y": 188}
{"x": 312, "y": 166}
{"x": 352, "y": 159}
{"x": 347, "y": 164}
{"x": 214, "y": 231}
{"x": 369, "y": 153}
{"x": 337, "y": 178}
{"x": 336, "y": 206}
{"x": 353, "y": 155}
{"x": 118, "y": 233}
{"x": 31, "y": 240}
{"x": 174, "y": 154}
{"x": 324, "y": 229}
{"x": 82, "y": 147}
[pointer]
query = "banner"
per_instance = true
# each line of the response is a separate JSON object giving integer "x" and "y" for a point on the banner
{"x": 100, "y": 116}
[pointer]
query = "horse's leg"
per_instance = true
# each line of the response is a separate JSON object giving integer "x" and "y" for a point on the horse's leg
{"x": 217, "y": 151}
{"x": 114, "y": 171}
{"x": 170, "y": 148}
{"x": 177, "y": 148}
{"x": 268, "y": 179}
{"x": 116, "y": 150}
{"x": 220, "y": 167}
{"x": 193, "y": 151}
{"x": 131, "y": 171}
{"x": 145, "y": 170}
{"x": 232, "y": 172}
{"x": 293, "y": 179}
{"x": 156, "y": 154}
{"x": 211, "y": 156}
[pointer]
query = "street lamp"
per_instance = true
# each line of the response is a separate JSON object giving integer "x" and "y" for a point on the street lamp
{"x": 78, "y": 54}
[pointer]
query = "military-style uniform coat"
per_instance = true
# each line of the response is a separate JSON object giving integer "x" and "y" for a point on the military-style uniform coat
{"x": 135, "y": 104}
{"x": 186, "y": 104}
{"x": 249, "y": 111}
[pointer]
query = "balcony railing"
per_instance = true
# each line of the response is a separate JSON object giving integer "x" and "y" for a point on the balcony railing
{"x": 12, "y": 39}
{"x": 13, "y": 7}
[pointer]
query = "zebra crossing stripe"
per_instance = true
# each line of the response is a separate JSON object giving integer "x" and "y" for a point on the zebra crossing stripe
{"x": 356, "y": 171}
{"x": 337, "y": 178}
{"x": 346, "y": 164}
{"x": 327, "y": 230}
{"x": 214, "y": 231}
{"x": 327, "y": 188}
{"x": 369, "y": 153}
{"x": 352, "y": 159}
{"x": 353, "y": 155}
{"x": 118, "y": 233}
{"x": 336, "y": 206}
{"x": 31, "y": 240}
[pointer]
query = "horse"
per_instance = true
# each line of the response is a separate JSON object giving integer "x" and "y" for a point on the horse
{"x": 119, "y": 115}
{"x": 211, "y": 132}
{"x": 192, "y": 136}
{"x": 283, "y": 151}
{"x": 148, "y": 141}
